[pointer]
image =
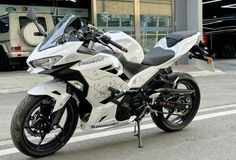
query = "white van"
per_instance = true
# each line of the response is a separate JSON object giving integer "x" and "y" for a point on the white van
{"x": 19, "y": 36}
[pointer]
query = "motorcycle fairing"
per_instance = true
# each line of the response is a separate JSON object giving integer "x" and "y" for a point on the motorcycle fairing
{"x": 61, "y": 96}
{"x": 179, "y": 49}
{"x": 95, "y": 69}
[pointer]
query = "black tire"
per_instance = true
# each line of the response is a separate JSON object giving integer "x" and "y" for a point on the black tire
{"x": 23, "y": 114}
{"x": 167, "y": 125}
{"x": 4, "y": 61}
{"x": 228, "y": 51}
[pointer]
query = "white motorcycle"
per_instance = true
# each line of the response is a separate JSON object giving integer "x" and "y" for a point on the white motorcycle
{"x": 102, "y": 80}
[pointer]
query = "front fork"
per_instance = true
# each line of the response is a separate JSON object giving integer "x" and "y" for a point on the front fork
{"x": 58, "y": 91}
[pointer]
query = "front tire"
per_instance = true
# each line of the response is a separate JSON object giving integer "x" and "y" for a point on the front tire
{"x": 30, "y": 126}
{"x": 170, "y": 123}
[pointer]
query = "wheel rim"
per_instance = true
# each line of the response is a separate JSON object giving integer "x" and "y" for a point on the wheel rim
{"x": 36, "y": 131}
{"x": 176, "y": 117}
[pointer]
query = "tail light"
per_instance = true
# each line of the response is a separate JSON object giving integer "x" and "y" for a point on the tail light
{"x": 16, "y": 48}
{"x": 204, "y": 38}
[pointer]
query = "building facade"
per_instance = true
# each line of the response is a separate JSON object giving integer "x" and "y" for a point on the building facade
{"x": 145, "y": 20}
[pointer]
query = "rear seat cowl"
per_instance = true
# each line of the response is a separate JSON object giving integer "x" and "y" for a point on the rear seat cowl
{"x": 176, "y": 37}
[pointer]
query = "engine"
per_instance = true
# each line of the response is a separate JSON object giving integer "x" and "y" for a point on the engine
{"x": 130, "y": 105}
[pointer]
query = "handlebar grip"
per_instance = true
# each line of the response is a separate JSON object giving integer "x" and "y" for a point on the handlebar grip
{"x": 107, "y": 40}
{"x": 118, "y": 46}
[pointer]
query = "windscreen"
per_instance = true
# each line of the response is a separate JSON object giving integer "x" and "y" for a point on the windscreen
{"x": 54, "y": 37}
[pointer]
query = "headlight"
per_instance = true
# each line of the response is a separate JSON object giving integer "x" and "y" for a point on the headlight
{"x": 46, "y": 63}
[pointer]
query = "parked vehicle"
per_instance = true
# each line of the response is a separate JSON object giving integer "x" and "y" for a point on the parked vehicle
{"x": 19, "y": 36}
{"x": 99, "y": 83}
{"x": 222, "y": 44}
{"x": 220, "y": 34}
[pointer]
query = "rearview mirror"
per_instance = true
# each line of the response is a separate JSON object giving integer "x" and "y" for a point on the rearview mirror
{"x": 31, "y": 15}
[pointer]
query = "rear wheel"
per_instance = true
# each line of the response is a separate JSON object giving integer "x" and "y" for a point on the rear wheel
{"x": 30, "y": 126}
{"x": 177, "y": 119}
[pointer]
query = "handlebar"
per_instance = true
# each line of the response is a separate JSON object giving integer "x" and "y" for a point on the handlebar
{"x": 107, "y": 39}
{"x": 95, "y": 35}
{"x": 118, "y": 46}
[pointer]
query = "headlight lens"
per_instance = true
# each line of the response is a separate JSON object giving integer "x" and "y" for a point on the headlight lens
{"x": 46, "y": 63}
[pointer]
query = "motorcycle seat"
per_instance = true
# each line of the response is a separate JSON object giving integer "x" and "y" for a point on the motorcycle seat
{"x": 131, "y": 68}
{"x": 157, "y": 56}
{"x": 175, "y": 37}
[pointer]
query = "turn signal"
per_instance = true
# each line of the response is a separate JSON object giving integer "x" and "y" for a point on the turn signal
{"x": 209, "y": 60}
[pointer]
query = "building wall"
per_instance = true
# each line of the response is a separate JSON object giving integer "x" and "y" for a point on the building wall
{"x": 181, "y": 21}
{"x": 188, "y": 16}
{"x": 194, "y": 11}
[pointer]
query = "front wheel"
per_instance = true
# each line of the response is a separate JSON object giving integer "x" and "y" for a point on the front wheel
{"x": 177, "y": 119}
{"x": 31, "y": 131}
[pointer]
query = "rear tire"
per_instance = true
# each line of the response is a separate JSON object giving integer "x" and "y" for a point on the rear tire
{"x": 164, "y": 123}
{"x": 27, "y": 114}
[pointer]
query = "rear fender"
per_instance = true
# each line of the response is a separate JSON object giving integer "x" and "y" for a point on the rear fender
{"x": 55, "y": 89}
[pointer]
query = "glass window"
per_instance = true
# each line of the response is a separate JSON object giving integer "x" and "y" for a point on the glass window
{"x": 102, "y": 19}
{"x": 155, "y": 21}
{"x": 114, "y": 22}
{"x": 165, "y": 21}
{"x": 155, "y": 18}
{"x": 116, "y": 15}
{"x": 152, "y": 21}
{"x": 4, "y": 25}
{"x": 126, "y": 21}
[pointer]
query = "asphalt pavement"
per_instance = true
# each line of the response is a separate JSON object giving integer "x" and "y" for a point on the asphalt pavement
{"x": 211, "y": 136}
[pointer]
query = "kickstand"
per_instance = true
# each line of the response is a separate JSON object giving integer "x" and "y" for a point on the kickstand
{"x": 138, "y": 133}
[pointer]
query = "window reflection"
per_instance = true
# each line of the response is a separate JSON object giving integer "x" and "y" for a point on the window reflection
{"x": 116, "y": 15}
{"x": 155, "y": 21}
{"x": 155, "y": 18}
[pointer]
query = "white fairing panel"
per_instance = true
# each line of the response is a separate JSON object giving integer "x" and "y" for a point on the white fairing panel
{"x": 62, "y": 50}
{"x": 141, "y": 78}
{"x": 99, "y": 80}
{"x": 48, "y": 89}
{"x": 135, "y": 51}
{"x": 99, "y": 61}
{"x": 180, "y": 49}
